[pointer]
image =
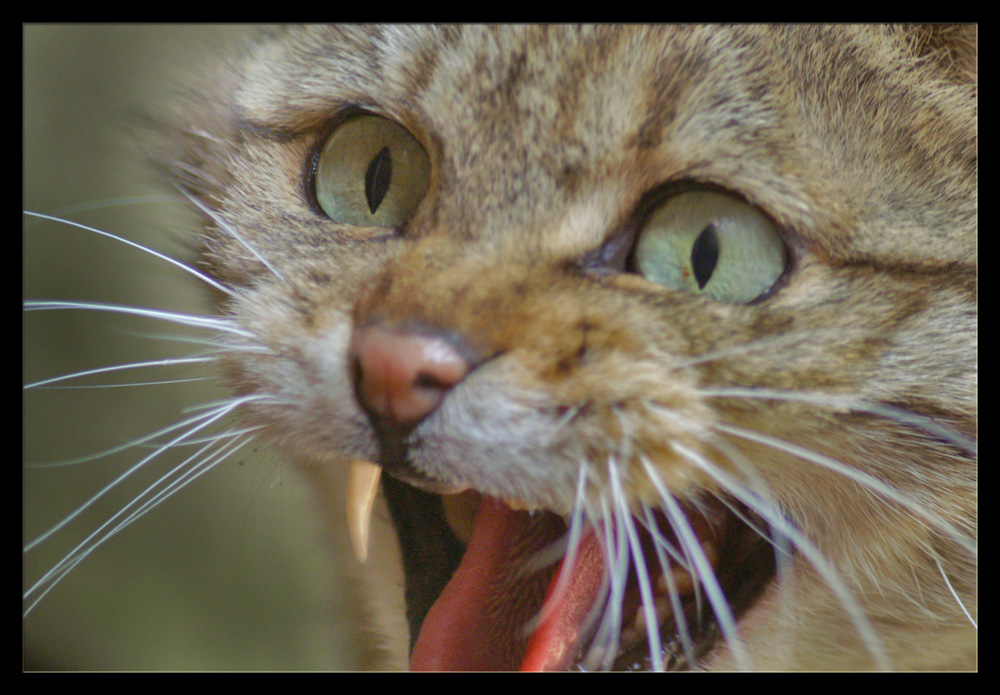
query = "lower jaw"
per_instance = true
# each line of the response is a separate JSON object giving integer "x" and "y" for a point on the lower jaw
{"x": 459, "y": 636}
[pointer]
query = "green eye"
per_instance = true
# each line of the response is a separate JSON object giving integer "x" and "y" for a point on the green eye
{"x": 371, "y": 173}
{"x": 711, "y": 243}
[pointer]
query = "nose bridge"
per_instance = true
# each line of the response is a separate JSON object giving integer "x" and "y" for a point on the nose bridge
{"x": 467, "y": 289}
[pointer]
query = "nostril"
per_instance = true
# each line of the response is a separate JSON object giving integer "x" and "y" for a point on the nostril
{"x": 402, "y": 376}
{"x": 431, "y": 381}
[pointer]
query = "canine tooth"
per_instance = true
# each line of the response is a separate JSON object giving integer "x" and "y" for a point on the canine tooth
{"x": 362, "y": 486}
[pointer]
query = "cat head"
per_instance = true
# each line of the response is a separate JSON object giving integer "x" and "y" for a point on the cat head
{"x": 629, "y": 278}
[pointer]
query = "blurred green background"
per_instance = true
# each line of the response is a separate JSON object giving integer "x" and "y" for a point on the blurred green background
{"x": 234, "y": 572}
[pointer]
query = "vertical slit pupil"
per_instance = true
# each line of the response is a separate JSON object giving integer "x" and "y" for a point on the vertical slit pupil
{"x": 705, "y": 255}
{"x": 377, "y": 178}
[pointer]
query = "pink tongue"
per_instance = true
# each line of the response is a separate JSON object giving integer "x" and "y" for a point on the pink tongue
{"x": 553, "y": 645}
{"x": 477, "y": 622}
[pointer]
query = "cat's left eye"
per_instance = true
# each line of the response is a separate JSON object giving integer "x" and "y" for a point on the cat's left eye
{"x": 371, "y": 173}
{"x": 711, "y": 243}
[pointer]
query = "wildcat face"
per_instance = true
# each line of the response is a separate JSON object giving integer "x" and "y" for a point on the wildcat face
{"x": 696, "y": 298}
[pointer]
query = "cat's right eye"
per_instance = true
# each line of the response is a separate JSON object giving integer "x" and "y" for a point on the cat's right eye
{"x": 371, "y": 173}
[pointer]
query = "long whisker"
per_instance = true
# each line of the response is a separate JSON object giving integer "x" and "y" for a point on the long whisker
{"x": 705, "y": 573}
{"x": 214, "y": 343}
{"x": 103, "y": 204}
{"x": 131, "y": 384}
{"x": 756, "y": 483}
{"x": 140, "y": 441}
{"x": 163, "y": 257}
{"x": 624, "y": 517}
{"x": 229, "y": 229}
{"x": 868, "y": 481}
{"x": 206, "y": 420}
{"x": 196, "y": 441}
{"x": 76, "y": 555}
{"x": 664, "y": 550}
{"x": 889, "y": 412}
{"x": 83, "y": 549}
{"x": 954, "y": 593}
{"x": 206, "y": 322}
{"x": 569, "y": 558}
{"x": 604, "y": 645}
{"x": 117, "y": 368}
{"x": 777, "y": 521}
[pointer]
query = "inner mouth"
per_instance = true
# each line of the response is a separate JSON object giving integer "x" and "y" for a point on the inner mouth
{"x": 485, "y": 589}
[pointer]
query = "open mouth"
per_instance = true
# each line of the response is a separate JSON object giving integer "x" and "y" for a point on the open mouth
{"x": 491, "y": 587}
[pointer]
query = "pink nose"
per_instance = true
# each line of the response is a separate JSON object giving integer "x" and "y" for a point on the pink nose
{"x": 403, "y": 376}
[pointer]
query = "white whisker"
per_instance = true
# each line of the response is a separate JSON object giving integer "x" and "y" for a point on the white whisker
{"x": 207, "y": 419}
{"x": 51, "y": 578}
{"x": 117, "y": 368}
{"x": 624, "y": 518}
{"x": 870, "y": 482}
{"x": 604, "y": 646}
{"x": 229, "y": 229}
{"x": 216, "y": 437}
{"x": 661, "y": 544}
{"x": 163, "y": 257}
{"x": 704, "y": 573}
{"x": 217, "y": 345}
{"x": 777, "y": 521}
{"x": 163, "y": 382}
{"x": 206, "y": 322}
{"x": 958, "y": 600}
{"x": 916, "y": 420}
{"x": 58, "y": 214}
{"x": 140, "y": 441}
{"x": 568, "y": 557}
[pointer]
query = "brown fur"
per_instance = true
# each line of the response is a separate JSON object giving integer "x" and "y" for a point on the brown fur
{"x": 858, "y": 142}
